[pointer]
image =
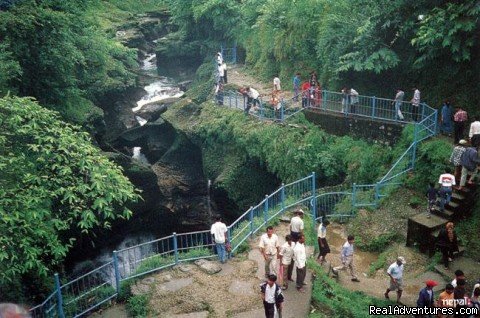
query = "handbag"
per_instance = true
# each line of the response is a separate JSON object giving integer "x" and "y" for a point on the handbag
{"x": 228, "y": 246}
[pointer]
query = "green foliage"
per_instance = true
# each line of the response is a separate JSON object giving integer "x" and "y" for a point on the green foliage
{"x": 468, "y": 232}
{"x": 377, "y": 244}
{"x": 432, "y": 158}
{"x": 379, "y": 263}
{"x": 54, "y": 184}
{"x": 333, "y": 300}
{"x": 137, "y": 306}
{"x": 434, "y": 261}
{"x": 58, "y": 55}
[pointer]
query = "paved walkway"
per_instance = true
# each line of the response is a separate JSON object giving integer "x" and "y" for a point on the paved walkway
{"x": 296, "y": 304}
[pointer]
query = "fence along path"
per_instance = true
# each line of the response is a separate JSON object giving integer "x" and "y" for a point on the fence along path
{"x": 88, "y": 292}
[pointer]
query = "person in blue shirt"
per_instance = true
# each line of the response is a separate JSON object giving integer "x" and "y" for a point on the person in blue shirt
{"x": 425, "y": 297}
{"x": 446, "y": 123}
{"x": 296, "y": 86}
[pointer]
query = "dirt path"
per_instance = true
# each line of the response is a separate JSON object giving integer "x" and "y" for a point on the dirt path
{"x": 375, "y": 285}
{"x": 239, "y": 76}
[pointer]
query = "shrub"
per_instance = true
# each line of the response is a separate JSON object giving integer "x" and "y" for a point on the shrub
{"x": 137, "y": 306}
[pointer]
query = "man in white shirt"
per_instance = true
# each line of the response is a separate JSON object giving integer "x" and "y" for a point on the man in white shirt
{"x": 276, "y": 84}
{"x": 219, "y": 58}
{"x": 219, "y": 232}
{"x": 296, "y": 225}
{"x": 353, "y": 100}
{"x": 395, "y": 271}
{"x": 415, "y": 103}
{"x": 347, "y": 258}
{"x": 286, "y": 260}
{"x": 222, "y": 68}
{"x": 447, "y": 181}
{"x": 272, "y": 297}
{"x": 252, "y": 100}
{"x": 300, "y": 258}
{"x": 474, "y": 133}
{"x": 269, "y": 247}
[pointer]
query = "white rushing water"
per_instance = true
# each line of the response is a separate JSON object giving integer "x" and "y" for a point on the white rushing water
{"x": 141, "y": 121}
{"x": 138, "y": 155}
{"x": 149, "y": 63}
{"x": 158, "y": 91}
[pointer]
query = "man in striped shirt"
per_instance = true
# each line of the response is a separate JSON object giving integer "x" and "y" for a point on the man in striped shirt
{"x": 459, "y": 120}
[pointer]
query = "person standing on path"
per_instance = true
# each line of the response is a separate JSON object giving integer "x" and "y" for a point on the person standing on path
{"x": 219, "y": 232}
{"x": 459, "y": 120}
{"x": 252, "y": 98}
{"x": 345, "y": 99}
{"x": 306, "y": 94}
{"x": 272, "y": 297}
{"x": 353, "y": 94}
{"x": 395, "y": 271}
{"x": 269, "y": 247}
{"x": 286, "y": 261}
{"x": 447, "y": 181}
{"x": 297, "y": 225}
{"x": 474, "y": 133}
{"x": 469, "y": 162}
{"x": 300, "y": 258}
{"x": 322, "y": 241}
{"x": 455, "y": 159}
{"x": 425, "y": 297}
{"x": 398, "y": 104}
{"x": 296, "y": 86}
{"x": 447, "y": 242}
{"x": 445, "y": 299}
{"x": 347, "y": 259}
{"x": 276, "y": 84}
{"x": 446, "y": 115}
{"x": 415, "y": 103}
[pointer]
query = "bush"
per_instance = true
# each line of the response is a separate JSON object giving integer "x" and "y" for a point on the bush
{"x": 379, "y": 243}
{"x": 333, "y": 300}
{"x": 137, "y": 306}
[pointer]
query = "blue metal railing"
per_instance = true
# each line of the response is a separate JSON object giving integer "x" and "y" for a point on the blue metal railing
{"x": 368, "y": 107}
{"x": 84, "y": 294}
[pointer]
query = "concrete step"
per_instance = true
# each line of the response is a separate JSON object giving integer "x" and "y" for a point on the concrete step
{"x": 457, "y": 197}
{"x": 446, "y": 213}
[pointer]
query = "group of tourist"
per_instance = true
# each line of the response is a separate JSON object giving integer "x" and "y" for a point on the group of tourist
{"x": 456, "y": 122}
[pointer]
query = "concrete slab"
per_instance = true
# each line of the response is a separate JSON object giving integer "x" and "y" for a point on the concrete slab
{"x": 241, "y": 288}
{"x": 208, "y": 267}
{"x": 175, "y": 284}
{"x": 200, "y": 314}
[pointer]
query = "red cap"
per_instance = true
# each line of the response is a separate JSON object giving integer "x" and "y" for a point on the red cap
{"x": 431, "y": 283}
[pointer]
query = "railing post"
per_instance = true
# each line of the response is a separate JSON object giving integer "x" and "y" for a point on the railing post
{"x": 251, "y": 221}
{"x": 261, "y": 109}
{"x": 282, "y": 197}
{"x": 265, "y": 210}
{"x": 175, "y": 247}
{"x": 117, "y": 271}
{"x": 436, "y": 123}
{"x": 282, "y": 110}
{"x": 314, "y": 202}
{"x": 414, "y": 148}
{"x": 354, "y": 195}
{"x": 323, "y": 99}
{"x": 235, "y": 53}
{"x": 314, "y": 198}
{"x": 58, "y": 290}
{"x": 374, "y": 103}
{"x": 229, "y": 239}
{"x": 423, "y": 111}
{"x": 325, "y": 103}
{"x": 377, "y": 193}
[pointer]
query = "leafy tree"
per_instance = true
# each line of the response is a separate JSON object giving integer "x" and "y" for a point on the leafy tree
{"x": 66, "y": 61}
{"x": 53, "y": 184}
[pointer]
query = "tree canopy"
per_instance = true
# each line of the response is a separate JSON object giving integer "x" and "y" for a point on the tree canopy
{"x": 52, "y": 180}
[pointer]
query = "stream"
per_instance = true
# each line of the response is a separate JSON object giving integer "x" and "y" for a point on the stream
{"x": 159, "y": 89}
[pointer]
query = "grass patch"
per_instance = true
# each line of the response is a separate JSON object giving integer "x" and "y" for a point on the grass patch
{"x": 377, "y": 244}
{"x": 137, "y": 306}
{"x": 330, "y": 299}
{"x": 380, "y": 262}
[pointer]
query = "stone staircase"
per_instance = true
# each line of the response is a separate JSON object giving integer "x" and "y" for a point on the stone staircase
{"x": 423, "y": 229}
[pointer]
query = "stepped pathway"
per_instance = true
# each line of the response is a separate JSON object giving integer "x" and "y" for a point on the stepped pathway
{"x": 187, "y": 291}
